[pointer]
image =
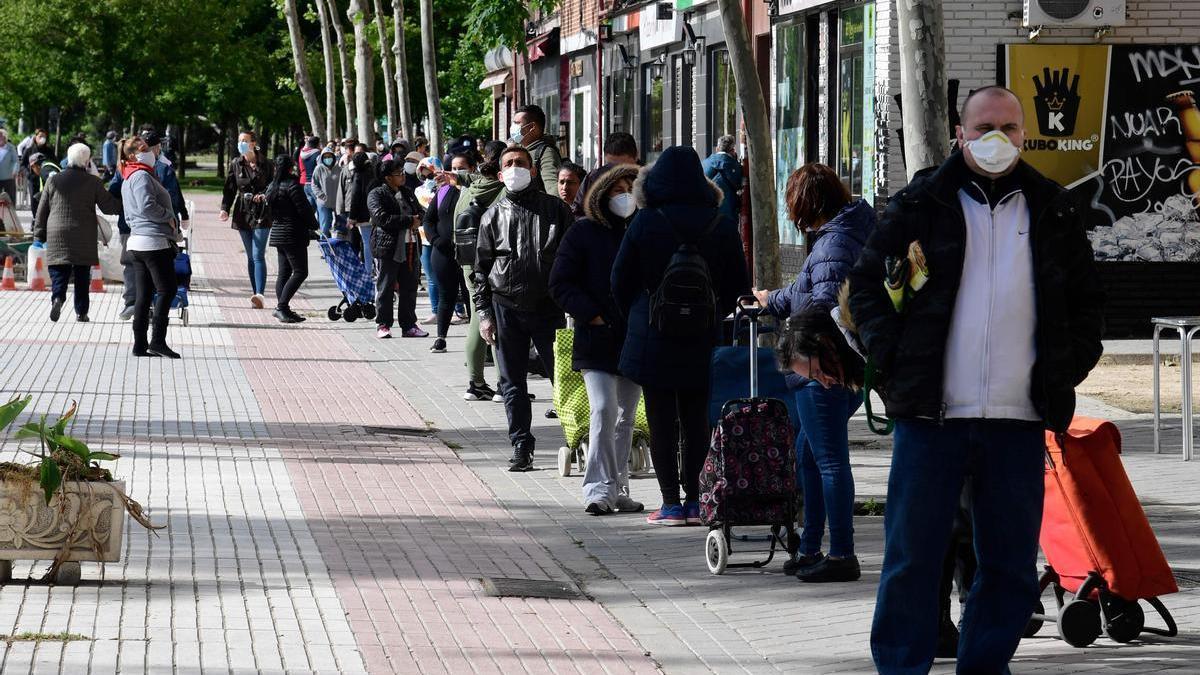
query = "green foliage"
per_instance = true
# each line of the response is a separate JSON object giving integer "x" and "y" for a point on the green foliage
{"x": 60, "y": 456}
{"x": 496, "y": 23}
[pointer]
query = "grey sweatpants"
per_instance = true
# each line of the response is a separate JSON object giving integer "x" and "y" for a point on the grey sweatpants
{"x": 613, "y": 400}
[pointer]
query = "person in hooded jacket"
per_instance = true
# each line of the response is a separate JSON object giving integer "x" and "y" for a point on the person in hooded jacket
{"x": 723, "y": 168}
{"x": 674, "y": 198}
{"x": 482, "y": 191}
{"x": 292, "y": 228}
{"x": 581, "y": 283}
{"x": 518, "y": 240}
{"x": 396, "y": 249}
{"x": 819, "y": 203}
{"x": 324, "y": 184}
{"x": 354, "y": 185}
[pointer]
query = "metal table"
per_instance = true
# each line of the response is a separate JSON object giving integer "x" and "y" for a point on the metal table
{"x": 1186, "y": 327}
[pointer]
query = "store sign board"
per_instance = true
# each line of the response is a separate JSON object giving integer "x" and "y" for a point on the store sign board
{"x": 1118, "y": 125}
{"x": 792, "y": 6}
{"x": 683, "y": 5}
{"x": 655, "y": 33}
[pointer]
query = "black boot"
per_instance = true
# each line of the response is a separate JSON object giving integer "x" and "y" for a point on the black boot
{"x": 522, "y": 459}
{"x": 163, "y": 351}
{"x": 831, "y": 570}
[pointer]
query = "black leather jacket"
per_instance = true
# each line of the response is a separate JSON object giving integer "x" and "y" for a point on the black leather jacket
{"x": 518, "y": 241}
{"x": 909, "y": 349}
{"x": 391, "y": 215}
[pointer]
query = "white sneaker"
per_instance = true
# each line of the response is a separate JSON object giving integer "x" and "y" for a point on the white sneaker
{"x": 257, "y": 301}
{"x": 626, "y": 504}
{"x": 383, "y": 332}
{"x": 432, "y": 319}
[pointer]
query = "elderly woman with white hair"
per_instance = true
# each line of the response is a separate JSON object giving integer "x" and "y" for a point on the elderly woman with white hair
{"x": 66, "y": 225}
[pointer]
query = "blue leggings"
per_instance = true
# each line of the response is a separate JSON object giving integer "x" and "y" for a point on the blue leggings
{"x": 254, "y": 241}
{"x": 823, "y": 466}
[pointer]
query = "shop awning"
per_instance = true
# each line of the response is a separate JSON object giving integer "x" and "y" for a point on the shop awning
{"x": 543, "y": 45}
{"x": 495, "y": 79}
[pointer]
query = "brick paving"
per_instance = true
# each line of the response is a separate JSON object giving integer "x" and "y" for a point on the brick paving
{"x": 298, "y": 540}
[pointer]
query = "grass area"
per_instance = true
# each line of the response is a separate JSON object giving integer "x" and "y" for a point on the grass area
{"x": 44, "y": 637}
{"x": 202, "y": 180}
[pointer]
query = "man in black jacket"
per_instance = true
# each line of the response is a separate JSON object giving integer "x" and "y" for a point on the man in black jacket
{"x": 975, "y": 364}
{"x": 396, "y": 247}
{"x": 518, "y": 240}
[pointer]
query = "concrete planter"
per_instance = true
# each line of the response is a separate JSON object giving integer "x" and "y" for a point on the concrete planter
{"x": 91, "y": 515}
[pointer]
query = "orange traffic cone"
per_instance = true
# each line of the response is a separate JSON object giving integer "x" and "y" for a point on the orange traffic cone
{"x": 97, "y": 281}
{"x": 37, "y": 282}
{"x": 9, "y": 281}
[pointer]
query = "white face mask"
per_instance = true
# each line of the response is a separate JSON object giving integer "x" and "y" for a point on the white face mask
{"x": 516, "y": 178}
{"x": 622, "y": 205}
{"x": 514, "y": 132}
{"x": 410, "y": 168}
{"x": 146, "y": 157}
{"x": 993, "y": 151}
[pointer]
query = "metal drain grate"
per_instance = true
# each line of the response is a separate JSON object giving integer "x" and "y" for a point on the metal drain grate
{"x": 400, "y": 431}
{"x": 501, "y": 587}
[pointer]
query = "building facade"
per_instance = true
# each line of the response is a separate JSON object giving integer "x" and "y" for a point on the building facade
{"x": 831, "y": 75}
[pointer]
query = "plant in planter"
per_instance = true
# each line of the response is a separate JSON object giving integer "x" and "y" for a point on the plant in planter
{"x": 65, "y": 505}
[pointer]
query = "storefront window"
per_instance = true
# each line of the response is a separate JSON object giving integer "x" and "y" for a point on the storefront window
{"x": 682, "y": 87}
{"x": 790, "y": 71}
{"x": 856, "y": 99}
{"x": 621, "y": 98}
{"x": 652, "y": 139}
{"x": 724, "y": 96}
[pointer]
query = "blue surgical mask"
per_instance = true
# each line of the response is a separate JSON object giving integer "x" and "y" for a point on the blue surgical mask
{"x": 327, "y": 161}
{"x": 243, "y": 148}
{"x": 514, "y": 132}
{"x": 431, "y": 185}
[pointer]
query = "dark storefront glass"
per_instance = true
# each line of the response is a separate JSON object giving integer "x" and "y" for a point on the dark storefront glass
{"x": 653, "y": 136}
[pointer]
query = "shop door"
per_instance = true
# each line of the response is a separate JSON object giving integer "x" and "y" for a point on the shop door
{"x": 583, "y": 150}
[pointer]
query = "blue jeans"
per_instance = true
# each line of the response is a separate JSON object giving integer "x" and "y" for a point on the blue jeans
{"x": 63, "y": 275}
{"x": 254, "y": 241}
{"x": 431, "y": 284}
{"x": 312, "y": 198}
{"x": 365, "y": 230}
{"x": 823, "y": 466}
{"x": 1003, "y": 460}
{"x": 325, "y": 219}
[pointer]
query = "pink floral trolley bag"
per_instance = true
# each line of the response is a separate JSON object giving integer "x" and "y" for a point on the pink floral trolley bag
{"x": 749, "y": 476}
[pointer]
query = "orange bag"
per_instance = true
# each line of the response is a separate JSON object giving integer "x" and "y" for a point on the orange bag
{"x": 1092, "y": 519}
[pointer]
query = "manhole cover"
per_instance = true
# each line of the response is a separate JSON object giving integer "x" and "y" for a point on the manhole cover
{"x": 400, "y": 431}
{"x": 501, "y": 587}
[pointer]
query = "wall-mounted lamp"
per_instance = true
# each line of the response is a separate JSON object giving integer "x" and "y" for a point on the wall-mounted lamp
{"x": 691, "y": 49}
{"x": 628, "y": 63}
{"x": 605, "y": 32}
{"x": 772, "y": 8}
{"x": 656, "y": 67}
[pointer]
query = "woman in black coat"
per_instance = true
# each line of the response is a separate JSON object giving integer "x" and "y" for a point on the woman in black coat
{"x": 581, "y": 284}
{"x": 438, "y": 223}
{"x": 674, "y": 196}
{"x": 294, "y": 225}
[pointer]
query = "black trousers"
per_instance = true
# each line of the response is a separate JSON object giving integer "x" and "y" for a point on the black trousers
{"x": 677, "y": 415}
{"x": 293, "y": 270}
{"x": 62, "y": 275}
{"x": 396, "y": 284}
{"x": 154, "y": 272}
{"x": 514, "y": 330}
{"x": 449, "y": 282}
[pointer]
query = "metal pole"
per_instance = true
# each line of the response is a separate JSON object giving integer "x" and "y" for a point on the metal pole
{"x": 1185, "y": 349}
{"x": 1157, "y": 409}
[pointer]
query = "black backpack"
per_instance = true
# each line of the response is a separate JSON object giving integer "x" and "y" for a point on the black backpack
{"x": 466, "y": 231}
{"x": 684, "y": 304}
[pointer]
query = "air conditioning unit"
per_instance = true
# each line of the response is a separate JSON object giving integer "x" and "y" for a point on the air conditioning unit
{"x": 1074, "y": 13}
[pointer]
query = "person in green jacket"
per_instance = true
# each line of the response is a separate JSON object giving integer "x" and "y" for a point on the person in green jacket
{"x": 479, "y": 191}
{"x": 529, "y": 129}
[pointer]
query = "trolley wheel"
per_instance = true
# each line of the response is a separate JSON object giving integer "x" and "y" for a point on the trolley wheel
{"x": 1079, "y": 623}
{"x": 1125, "y": 620}
{"x": 637, "y": 458}
{"x": 367, "y": 310}
{"x": 183, "y": 316}
{"x": 334, "y": 314}
{"x": 351, "y": 314}
{"x": 716, "y": 551}
{"x": 565, "y": 457}
{"x": 581, "y": 457}
{"x": 1035, "y": 624}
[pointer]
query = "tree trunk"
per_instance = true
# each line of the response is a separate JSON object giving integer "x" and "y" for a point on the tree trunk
{"x": 344, "y": 63}
{"x": 923, "y": 84}
{"x": 364, "y": 72}
{"x": 429, "y": 57}
{"x": 330, "y": 84}
{"x": 758, "y": 136}
{"x": 398, "y": 51}
{"x": 316, "y": 119}
{"x": 389, "y": 81}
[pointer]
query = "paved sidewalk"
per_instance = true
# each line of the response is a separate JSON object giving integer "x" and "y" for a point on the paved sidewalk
{"x": 298, "y": 538}
{"x": 316, "y": 524}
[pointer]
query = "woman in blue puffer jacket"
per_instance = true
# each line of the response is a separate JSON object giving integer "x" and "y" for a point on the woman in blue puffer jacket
{"x": 819, "y": 203}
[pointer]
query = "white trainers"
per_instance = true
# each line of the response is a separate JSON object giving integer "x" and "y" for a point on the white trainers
{"x": 430, "y": 320}
{"x": 383, "y": 332}
{"x": 257, "y": 301}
